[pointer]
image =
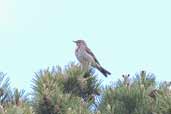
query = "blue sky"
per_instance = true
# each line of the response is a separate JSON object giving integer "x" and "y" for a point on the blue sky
{"x": 126, "y": 36}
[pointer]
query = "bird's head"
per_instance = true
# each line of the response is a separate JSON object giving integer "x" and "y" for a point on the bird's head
{"x": 80, "y": 43}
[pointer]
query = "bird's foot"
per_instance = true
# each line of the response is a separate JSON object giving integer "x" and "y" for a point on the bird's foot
{"x": 86, "y": 74}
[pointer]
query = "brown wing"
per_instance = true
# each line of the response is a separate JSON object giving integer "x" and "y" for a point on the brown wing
{"x": 91, "y": 53}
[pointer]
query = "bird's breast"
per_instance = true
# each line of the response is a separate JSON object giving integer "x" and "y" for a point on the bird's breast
{"x": 83, "y": 57}
{"x": 79, "y": 54}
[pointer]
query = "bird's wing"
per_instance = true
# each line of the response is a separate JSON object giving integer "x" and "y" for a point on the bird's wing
{"x": 91, "y": 53}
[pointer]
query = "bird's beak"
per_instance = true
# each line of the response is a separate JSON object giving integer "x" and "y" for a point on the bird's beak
{"x": 75, "y": 41}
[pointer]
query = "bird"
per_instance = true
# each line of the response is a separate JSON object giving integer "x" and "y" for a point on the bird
{"x": 87, "y": 59}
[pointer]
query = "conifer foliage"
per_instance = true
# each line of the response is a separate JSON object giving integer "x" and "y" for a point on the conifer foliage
{"x": 140, "y": 96}
{"x": 12, "y": 101}
{"x": 64, "y": 91}
{"x": 72, "y": 91}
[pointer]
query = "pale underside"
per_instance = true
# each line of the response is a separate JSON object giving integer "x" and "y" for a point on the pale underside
{"x": 87, "y": 61}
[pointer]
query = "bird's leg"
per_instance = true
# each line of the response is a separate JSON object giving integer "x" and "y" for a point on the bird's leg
{"x": 82, "y": 71}
{"x": 86, "y": 74}
{"x": 85, "y": 70}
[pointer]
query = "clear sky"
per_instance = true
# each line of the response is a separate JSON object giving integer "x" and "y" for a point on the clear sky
{"x": 126, "y": 36}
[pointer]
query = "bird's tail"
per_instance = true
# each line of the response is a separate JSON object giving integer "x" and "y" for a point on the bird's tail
{"x": 103, "y": 71}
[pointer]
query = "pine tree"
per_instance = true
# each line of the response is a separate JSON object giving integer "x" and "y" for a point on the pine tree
{"x": 72, "y": 91}
{"x": 64, "y": 91}
{"x": 13, "y": 101}
{"x": 141, "y": 96}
